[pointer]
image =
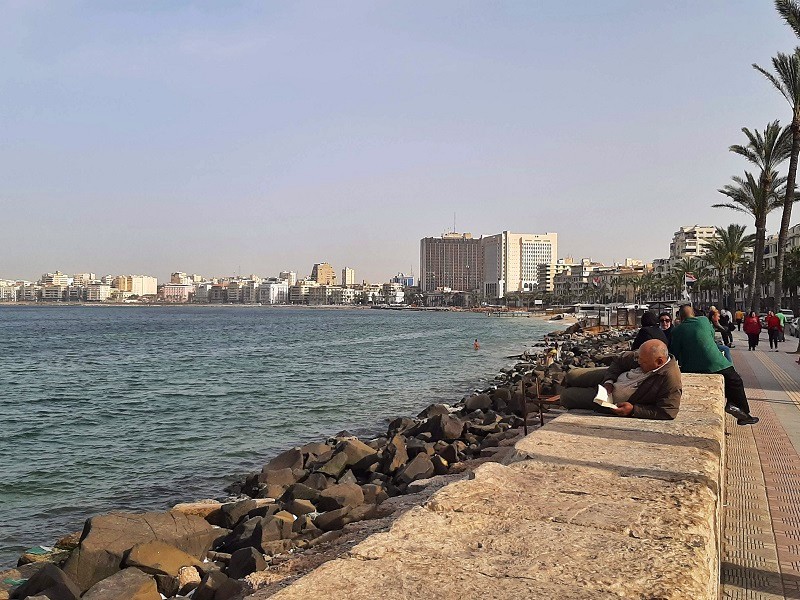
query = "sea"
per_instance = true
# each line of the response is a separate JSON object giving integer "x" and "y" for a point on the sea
{"x": 117, "y": 408}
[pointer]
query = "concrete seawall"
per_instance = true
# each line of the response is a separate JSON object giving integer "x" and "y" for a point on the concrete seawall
{"x": 590, "y": 507}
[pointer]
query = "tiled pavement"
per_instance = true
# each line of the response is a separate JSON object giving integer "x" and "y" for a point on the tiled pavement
{"x": 761, "y": 545}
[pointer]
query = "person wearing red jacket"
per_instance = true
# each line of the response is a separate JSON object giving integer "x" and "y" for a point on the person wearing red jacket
{"x": 773, "y": 330}
{"x": 752, "y": 327}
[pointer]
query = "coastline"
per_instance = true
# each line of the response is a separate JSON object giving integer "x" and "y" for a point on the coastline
{"x": 472, "y": 452}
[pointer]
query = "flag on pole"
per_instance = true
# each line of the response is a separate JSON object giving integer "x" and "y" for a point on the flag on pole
{"x": 689, "y": 279}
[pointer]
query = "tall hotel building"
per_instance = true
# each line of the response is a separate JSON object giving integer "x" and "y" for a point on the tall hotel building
{"x": 511, "y": 261}
{"x": 454, "y": 261}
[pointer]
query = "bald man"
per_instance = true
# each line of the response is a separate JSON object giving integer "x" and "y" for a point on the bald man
{"x": 645, "y": 384}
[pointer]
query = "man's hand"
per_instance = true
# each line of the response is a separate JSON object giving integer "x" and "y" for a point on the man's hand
{"x": 609, "y": 387}
{"x": 624, "y": 409}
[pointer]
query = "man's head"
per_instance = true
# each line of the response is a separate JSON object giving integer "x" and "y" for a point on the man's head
{"x": 686, "y": 312}
{"x": 652, "y": 354}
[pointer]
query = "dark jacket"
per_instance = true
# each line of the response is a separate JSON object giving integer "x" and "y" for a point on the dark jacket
{"x": 658, "y": 396}
{"x": 649, "y": 333}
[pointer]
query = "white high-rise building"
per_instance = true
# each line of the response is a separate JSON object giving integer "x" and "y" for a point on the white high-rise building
{"x": 348, "y": 276}
{"x": 289, "y": 276}
{"x": 511, "y": 261}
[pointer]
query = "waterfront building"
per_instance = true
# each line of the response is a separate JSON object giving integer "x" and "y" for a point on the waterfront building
{"x": 548, "y": 273}
{"x": 98, "y": 292}
{"x": 406, "y": 281}
{"x": 57, "y": 278}
{"x": 54, "y": 293}
{"x": 323, "y": 274}
{"x": 299, "y": 293}
{"x": 29, "y": 292}
{"x": 342, "y": 295}
{"x": 249, "y": 292}
{"x": 348, "y": 276}
{"x": 83, "y": 278}
{"x": 273, "y": 291}
{"x": 218, "y": 293}
{"x": 176, "y": 292}
{"x": 289, "y": 276}
{"x": 575, "y": 281}
{"x": 369, "y": 293}
{"x": 234, "y": 295}
{"x": 8, "y": 292}
{"x": 392, "y": 293}
{"x": 690, "y": 242}
{"x": 454, "y": 260}
{"x": 138, "y": 285}
{"x": 511, "y": 261}
{"x": 179, "y": 278}
{"x": 320, "y": 294}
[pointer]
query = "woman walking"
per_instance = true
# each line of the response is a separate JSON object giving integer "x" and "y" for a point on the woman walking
{"x": 773, "y": 330}
{"x": 752, "y": 327}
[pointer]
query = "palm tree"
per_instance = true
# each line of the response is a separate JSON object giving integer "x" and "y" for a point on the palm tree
{"x": 787, "y": 81}
{"x": 717, "y": 257}
{"x": 726, "y": 253}
{"x": 754, "y": 198}
{"x": 690, "y": 265}
{"x": 766, "y": 151}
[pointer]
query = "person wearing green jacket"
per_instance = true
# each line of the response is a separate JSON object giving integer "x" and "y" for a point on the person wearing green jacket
{"x": 694, "y": 346}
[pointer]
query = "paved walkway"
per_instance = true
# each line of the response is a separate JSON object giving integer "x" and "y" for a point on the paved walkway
{"x": 761, "y": 545}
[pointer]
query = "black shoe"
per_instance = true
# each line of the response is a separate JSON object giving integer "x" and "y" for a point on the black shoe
{"x": 735, "y": 411}
{"x": 748, "y": 420}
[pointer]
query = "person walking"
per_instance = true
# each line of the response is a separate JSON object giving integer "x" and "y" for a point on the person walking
{"x": 752, "y": 327}
{"x": 739, "y": 319}
{"x": 773, "y": 330}
{"x": 782, "y": 319}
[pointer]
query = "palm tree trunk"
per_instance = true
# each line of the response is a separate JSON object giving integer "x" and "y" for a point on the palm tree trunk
{"x": 787, "y": 211}
{"x": 758, "y": 267}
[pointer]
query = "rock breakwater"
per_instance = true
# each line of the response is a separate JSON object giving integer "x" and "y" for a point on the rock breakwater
{"x": 302, "y": 498}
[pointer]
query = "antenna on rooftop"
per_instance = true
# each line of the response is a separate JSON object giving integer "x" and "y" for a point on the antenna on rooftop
{"x": 454, "y": 221}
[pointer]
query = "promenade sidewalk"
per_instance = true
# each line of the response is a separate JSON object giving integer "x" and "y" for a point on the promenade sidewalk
{"x": 761, "y": 542}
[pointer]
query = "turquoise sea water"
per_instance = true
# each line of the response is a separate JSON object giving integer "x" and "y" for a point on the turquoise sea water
{"x": 137, "y": 408}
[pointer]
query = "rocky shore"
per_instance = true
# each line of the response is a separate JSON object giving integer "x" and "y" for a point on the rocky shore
{"x": 285, "y": 518}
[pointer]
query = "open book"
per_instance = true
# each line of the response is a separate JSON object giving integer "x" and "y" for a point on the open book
{"x": 603, "y": 398}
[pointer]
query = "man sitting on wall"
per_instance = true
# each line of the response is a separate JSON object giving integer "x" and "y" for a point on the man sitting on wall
{"x": 645, "y": 384}
{"x": 694, "y": 346}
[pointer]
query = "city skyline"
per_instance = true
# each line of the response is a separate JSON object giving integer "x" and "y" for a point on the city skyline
{"x": 252, "y": 138}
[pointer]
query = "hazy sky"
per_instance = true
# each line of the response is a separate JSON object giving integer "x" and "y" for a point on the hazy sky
{"x": 209, "y": 137}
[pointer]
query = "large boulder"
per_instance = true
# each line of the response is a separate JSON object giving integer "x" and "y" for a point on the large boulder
{"x": 434, "y": 410}
{"x": 128, "y": 584}
{"x": 478, "y": 402}
{"x": 443, "y": 427}
{"x": 278, "y": 477}
{"x": 210, "y": 510}
{"x": 290, "y": 459}
{"x": 245, "y": 561}
{"x": 359, "y": 455}
{"x": 395, "y": 455}
{"x": 420, "y": 467}
{"x": 106, "y": 539}
{"x": 233, "y": 512}
{"x": 272, "y": 528}
{"x": 335, "y": 466}
{"x": 50, "y": 581}
{"x": 217, "y": 586}
{"x": 158, "y": 558}
{"x": 341, "y": 495}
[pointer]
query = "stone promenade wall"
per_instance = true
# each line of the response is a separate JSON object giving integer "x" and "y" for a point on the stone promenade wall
{"x": 591, "y": 507}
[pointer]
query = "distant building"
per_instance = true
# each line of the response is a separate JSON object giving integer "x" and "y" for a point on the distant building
{"x": 98, "y": 292}
{"x": 393, "y": 293}
{"x": 176, "y": 292}
{"x": 57, "y": 278}
{"x": 83, "y": 278}
{"x": 299, "y": 293}
{"x": 690, "y": 242}
{"x": 8, "y": 292}
{"x": 273, "y": 292}
{"x": 323, "y": 274}
{"x": 348, "y": 276}
{"x": 139, "y": 285}
{"x": 289, "y": 276}
{"x": 180, "y": 278}
{"x": 511, "y": 261}
{"x": 406, "y": 281}
{"x": 29, "y": 292}
{"x": 342, "y": 295}
{"x": 454, "y": 260}
{"x": 54, "y": 293}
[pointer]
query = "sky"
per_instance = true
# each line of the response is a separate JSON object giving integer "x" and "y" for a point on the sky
{"x": 252, "y": 137}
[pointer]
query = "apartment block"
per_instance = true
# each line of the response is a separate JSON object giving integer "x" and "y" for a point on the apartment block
{"x": 273, "y": 292}
{"x": 511, "y": 261}
{"x": 57, "y": 278}
{"x": 348, "y": 276}
{"x": 454, "y": 261}
{"x": 323, "y": 274}
{"x": 98, "y": 292}
{"x": 289, "y": 276}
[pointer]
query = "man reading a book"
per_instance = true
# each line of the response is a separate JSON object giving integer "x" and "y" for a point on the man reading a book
{"x": 645, "y": 384}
